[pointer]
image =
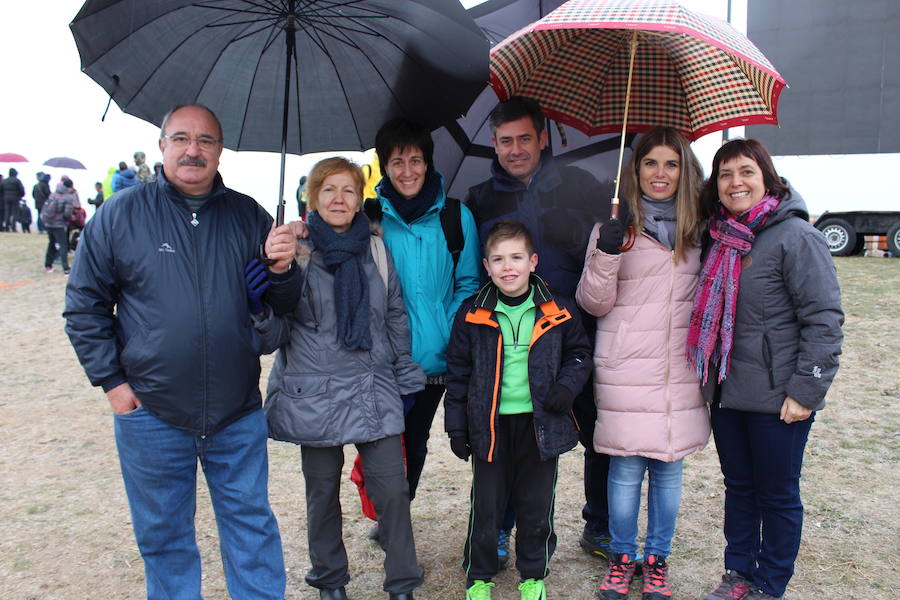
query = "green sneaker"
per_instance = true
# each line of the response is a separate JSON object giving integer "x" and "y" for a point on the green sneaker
{"x": 480, "y": 590}
{"x": 532, "y": 589}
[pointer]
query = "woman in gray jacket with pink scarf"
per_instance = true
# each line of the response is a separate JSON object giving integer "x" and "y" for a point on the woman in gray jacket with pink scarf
{"x": 650, "y": 413}
{"x": 765, "y": 336}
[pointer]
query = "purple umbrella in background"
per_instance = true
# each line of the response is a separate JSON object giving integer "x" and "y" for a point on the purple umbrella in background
{"x": 463, "y": 150}
{"x": 10, "y": 157}
{"x": 64, "y": 162}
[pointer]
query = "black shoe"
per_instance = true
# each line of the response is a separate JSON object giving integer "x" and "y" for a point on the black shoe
{"x": 337, "y": 594}
{"x": 407, "y": 596}
{"x": 375, "y": 532}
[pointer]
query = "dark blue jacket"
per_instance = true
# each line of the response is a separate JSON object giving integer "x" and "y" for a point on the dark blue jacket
{"x": 559, "y": 207}
{"x": 160, "y": 303}
{"x": 559, "y": 352}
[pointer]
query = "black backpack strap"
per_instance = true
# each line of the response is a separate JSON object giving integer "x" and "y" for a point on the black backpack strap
{"x": 451, "y": 223}
{"x": 372, "y": 208}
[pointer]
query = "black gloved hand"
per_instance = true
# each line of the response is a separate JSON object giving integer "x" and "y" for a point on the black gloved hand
{"x": 559, "y": 399}
{"x": 459, "y": 444}
{"x": 612, "y": 235}
{"x": 256, "y": 276}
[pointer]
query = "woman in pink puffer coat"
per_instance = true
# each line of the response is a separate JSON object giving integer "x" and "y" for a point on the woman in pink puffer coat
{"x": 650, "y": 413}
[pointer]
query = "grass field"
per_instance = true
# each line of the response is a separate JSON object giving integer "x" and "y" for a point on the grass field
{"x": 66, "y": 531}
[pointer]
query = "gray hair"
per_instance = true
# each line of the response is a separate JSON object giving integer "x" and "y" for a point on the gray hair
{"x": 165, "y": 121}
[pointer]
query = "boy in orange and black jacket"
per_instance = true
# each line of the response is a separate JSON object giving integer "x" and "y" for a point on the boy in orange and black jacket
{"x": 517, "y": 357}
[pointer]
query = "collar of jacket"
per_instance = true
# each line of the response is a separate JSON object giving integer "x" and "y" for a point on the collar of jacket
{"x": 387, "y": 206}
{"x": 171, "y": 192}
{"x": 549, "y": 313}
{"x": 546, "y": 178}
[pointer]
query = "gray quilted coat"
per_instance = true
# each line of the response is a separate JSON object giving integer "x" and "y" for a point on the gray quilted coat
{"x": 787, "y": 331}
{"x": 321, "y": 394}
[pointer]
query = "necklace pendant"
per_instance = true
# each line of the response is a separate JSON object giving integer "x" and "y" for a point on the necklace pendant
{"x": 194, "y": 220}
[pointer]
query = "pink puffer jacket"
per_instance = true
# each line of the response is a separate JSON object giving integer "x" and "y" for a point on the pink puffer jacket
{"x": 648, "y": 399}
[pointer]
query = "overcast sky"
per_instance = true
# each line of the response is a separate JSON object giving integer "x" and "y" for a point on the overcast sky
{"x": 49, "y": 108}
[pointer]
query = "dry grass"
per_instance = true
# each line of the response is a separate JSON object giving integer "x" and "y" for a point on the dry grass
{"x": 66, "y": 531}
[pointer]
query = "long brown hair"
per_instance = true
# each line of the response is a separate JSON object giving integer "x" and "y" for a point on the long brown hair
{"x": 688, "y": 219}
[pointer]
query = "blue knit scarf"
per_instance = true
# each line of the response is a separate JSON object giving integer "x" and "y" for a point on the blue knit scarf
{"x": 343, "y": 254}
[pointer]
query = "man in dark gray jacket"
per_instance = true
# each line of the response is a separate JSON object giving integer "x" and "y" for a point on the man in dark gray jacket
{"x": 12, "y": 191}
{"x": 157, "y": 312}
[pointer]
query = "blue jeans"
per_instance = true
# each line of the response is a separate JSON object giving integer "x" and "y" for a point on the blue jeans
{"x": 159, "y": 467}
{"x": 761, "y": 458}
{"x": 626, "y": 477}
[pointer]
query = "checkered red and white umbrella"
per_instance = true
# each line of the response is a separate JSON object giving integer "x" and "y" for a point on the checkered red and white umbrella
{"x": 689, "y": 71}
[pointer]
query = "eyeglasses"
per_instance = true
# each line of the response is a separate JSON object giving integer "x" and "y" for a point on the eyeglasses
{"x": 182, "y": 141}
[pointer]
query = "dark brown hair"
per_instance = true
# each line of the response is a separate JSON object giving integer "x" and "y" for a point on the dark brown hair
{"x": 753, "y": 150}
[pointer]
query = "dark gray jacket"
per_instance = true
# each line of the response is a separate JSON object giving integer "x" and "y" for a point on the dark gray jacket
{"x": 161, "y": 304}
{"x": 320, "y": 393}
{"x": 12, "y": 189}
{"x": 787, "y": 331}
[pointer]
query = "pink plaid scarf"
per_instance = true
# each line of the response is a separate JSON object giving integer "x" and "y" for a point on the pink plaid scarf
{"x": 712, "y": 319}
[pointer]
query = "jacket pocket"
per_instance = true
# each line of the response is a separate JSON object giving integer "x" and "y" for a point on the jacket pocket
{"x": 301, "y": 410}
{"x": 610, "y": 355}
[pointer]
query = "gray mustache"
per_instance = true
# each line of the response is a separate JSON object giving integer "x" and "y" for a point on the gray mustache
{"x": 192, "y": 162}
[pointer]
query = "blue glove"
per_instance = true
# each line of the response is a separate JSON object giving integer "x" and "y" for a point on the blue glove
{"x": 257, "y": 278}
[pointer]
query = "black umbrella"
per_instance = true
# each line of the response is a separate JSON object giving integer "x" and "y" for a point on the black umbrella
{"x": 334, "y": 70}
{"x": 463, "y": 150}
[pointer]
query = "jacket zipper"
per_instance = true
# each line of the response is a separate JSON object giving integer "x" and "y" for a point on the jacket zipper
{"x": 767, "y": 356}
{"x": 668, "y": 357}
{"x": 196, "y": 268}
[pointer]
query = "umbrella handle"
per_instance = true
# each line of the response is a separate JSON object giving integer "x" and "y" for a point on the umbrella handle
{"x": 629, "y": 231}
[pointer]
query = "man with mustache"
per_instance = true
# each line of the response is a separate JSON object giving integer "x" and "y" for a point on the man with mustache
{"x": 157, "y": 311}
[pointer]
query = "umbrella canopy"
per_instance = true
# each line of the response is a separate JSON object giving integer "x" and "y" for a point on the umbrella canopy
{"x": 64, "y": 162}
{"x": 689, "y": 71}
{"x": 353, "y": 64}
{"x": 462, "y": 149}
{"x": 8, "y": 157}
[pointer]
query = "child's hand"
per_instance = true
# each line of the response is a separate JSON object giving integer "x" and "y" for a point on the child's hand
{"x": 560, "y": 399}
{"x": 459, "y": 445}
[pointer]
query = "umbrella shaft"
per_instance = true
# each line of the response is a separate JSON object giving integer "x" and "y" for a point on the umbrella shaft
{"x": 615, "y": 200}
{"x": 289, "y": 29}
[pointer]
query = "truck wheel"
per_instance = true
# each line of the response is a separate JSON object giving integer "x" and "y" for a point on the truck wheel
{"x": 893, "y": 240}
{"x": 859, "y": 247}
{"x": 839, "y": 235}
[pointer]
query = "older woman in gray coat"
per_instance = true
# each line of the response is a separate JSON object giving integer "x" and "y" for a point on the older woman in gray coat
{"x": 344, "y": 364}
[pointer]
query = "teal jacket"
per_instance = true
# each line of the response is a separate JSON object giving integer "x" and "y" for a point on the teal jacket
{"x": 431, "y": 293}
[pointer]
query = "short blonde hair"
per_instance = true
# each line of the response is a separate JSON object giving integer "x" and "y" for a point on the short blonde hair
{"x": 330, "y": 166}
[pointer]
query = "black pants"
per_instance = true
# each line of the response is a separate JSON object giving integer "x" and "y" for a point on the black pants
{"x": 57, "y": 238}
{"x": 596, "y": 469}
{"x": 417, "y": 431}
{"x": 10, "y": 215}
{"x": 383, "y": 465}
{"x": 596, "y": 466}
{"x": 519, "y": 477}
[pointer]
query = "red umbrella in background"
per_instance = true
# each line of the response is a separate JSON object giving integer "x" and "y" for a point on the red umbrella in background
{"x": 64, "y": 162}
{"x": 10, "y": 157}
{"x": 629, "y": 65}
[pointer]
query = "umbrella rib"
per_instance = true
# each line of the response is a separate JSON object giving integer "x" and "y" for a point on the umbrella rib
{"x": 272, "y": 36}
{"x": 344, "y": 89}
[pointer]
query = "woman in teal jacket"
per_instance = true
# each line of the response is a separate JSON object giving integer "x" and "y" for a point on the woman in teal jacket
{"x": 411, "y": 198}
